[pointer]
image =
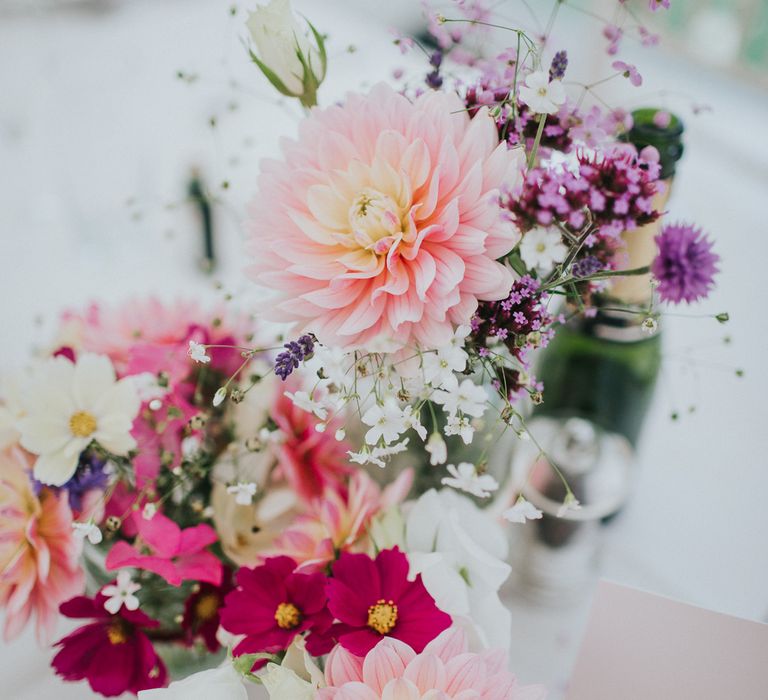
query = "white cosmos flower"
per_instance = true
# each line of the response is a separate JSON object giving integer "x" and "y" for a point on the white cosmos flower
{"x": 468, "y": 398}
{"x": 459, "y": 552}
{"x": 67, "y": 406}
{"x": 541, "y": 248}
{"x": 464, "y": 477}
{"x": 243, "y": 492}
{"x": 541, "y": 95}
{"x": 197, "y": 352}
{"x": 520, "y": 512}
{"x": 222, "y": 683}
{"x": 121, "y": 593}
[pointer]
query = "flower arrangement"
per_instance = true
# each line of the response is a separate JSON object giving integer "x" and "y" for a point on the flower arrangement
{"x": 177, "y": 479}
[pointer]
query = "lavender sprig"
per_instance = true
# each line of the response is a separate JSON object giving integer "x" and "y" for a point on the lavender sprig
{"x": 296, "y": 351}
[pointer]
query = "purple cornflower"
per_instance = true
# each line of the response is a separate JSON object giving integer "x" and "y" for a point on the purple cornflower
{"x": 685, "y": 266}
{"x": 558, "y": 66}
{"x": 90, "y": 475}
{"x": 296, "y": 351}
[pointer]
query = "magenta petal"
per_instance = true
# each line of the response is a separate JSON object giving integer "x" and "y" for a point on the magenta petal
{"x": 81, "y": 606}
{"x": 272, "y": 641}
{"x": 392, "y": 565}
{"x": 77, "y": 649}
{"x": 244, "y": 614}
{"x": 161, "y": 534}
{"x": 150, "y": 669}
{"x": 359, "y": 572}
{"x": 360, "y": 642}
{"x": 307, "y": 592}
{"x": 195, "y": 538}
{"x": 201, "y": 566}
{"x": 121, "y": 554}
{"x": 110, "y": 670}
{"x": 345, "y": 604}
{"x": 262, "y": 584}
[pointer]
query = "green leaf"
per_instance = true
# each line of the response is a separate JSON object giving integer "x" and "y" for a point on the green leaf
{"x": 270, "y": 75}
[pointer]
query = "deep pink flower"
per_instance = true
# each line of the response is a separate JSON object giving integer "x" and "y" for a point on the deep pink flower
{"x": 444, "y": 670}
{"x": 628, "y": 71}
{"x": 175, "y": 554}
{"x": 202, "y": 612}
{"x": 272, "y": 604}
{"x": 113, "y": 653}
{"x": 382, "y": 222}
{"x": 373, "y": 598}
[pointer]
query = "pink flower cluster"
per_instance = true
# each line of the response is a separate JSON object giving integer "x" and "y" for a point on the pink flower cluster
{"x": 613, "y": 191}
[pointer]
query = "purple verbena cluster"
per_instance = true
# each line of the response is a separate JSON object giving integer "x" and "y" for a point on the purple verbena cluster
{"x": 296, "y": 351}
{"x": 520, "y": 322}
{"x": 615, "y": 189}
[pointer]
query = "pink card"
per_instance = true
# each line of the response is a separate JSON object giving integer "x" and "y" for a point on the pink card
{"x": 640, "y": 646}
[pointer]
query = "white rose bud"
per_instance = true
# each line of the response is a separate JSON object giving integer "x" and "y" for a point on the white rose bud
{"x": 291, "y": 60}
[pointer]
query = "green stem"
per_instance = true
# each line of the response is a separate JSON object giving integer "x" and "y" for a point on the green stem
{"x": 604, "y": 274}
{"x": 537, "y": 140}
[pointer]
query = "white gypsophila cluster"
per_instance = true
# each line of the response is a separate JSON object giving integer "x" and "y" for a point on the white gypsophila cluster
{"x": 390, "y": 394}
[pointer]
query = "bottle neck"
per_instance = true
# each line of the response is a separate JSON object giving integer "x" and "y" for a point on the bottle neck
{"x": 639, "y": 250}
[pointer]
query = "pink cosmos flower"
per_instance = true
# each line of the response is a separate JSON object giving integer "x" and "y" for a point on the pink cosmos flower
{"x": 444, "y": 670}
{"x": 113, "y": 653}
{"x": 373, "y": 598}
{"x": 310, "y": 461}
{"x": 339, "y": 522}
{"x": 175, "y": 554}
{"x": 38, "y": 552}
{"x": 272, "y": 604}
{"x": 382, "y": 221}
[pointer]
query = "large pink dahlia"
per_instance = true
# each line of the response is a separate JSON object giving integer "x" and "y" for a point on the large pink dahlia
{"x": 382, "y": 222}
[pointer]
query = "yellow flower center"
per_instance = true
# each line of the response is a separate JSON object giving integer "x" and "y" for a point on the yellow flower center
{"x": 382, "y": 616}
{"x": 117, "y": 633}
{"x": 375, "y": 220}
{"x": 287, "y": 616}
{"x": 207, "y": 607}
{"x": 82, "y": 424}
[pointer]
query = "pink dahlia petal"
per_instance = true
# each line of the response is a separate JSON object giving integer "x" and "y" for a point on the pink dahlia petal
{"x": 427, "y": 671}
{"x": 346, "y": 227}
{"x": 385, "y": 662}
{"x": 448, "y": 644}
{"x": 343, "y": 667}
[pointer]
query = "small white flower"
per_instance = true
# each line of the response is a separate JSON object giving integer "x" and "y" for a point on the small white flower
{"x": 121, "y": 593}
{"x": 438, "y": 451}
{"x": 542, "y": 96}
{"x": 412, "y": 421}
{"x": 219, "y": 396}
{"x": 69, "y": 405}
{"x": 388, "y": 421}
{"x": 542, "y": 248}
{"x": 147, "y": 386}
{"x": 650, "y": 325}
{"x": 570, "y": 504}
{"x": 89, "y": 531}
{"x": 377, "y": 455}
{"x": 197, "y": 352}
{"x": 520, "y": 512}
{"x": 149, "y": 511}
{"x": 190, "y": 446}
{"x": 468, "y": 398}
{"x": 304, "y": 401}
{"x": 465, "y": 478}
{"x": 243, "y": 492}
{"x": 460, "y": 425}
{"x": 340, "y": 434}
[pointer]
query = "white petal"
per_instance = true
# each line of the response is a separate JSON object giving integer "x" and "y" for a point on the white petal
{"x": 55, "y": 468}
{"x": 94, "y": 377}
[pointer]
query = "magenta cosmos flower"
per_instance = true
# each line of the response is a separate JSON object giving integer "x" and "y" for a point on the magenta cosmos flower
{"x": 272, "y": 604}
{"x": 685, "y": 266}
{"x": 382, "y": 222}
{"x": 175, "y": 554}
{"x": 113, "y": 653}
{"x": 373, "y": 598}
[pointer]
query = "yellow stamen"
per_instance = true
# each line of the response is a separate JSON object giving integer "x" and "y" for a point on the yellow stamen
{"x": 382, "y": 616}
{"x": 207, "y": 607}
{"x": 82, "y": 424}
{"x": 287, "y": 616}
{"x": 117, "y": 632}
